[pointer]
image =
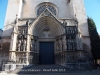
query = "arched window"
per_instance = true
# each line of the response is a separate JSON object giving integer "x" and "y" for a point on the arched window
{"x": 44, "y": 6}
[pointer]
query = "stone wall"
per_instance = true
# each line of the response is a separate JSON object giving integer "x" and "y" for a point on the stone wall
{"x": 29, "y": 11}
{"x": 66, "y": 10}
{"x": 79, "y": 11}
{"x": 11, "y": 12}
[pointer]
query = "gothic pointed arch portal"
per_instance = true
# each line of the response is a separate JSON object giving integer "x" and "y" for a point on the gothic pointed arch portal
{"x": 45, "y": 30}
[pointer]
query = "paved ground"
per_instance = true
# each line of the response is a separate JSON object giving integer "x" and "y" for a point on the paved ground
{"x": 50, "y": 70}
{"x": 94, "y": 72}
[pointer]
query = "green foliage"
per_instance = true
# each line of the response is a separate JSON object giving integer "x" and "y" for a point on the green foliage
{"x": 94, "y": 37}
{"x": 91, "y": 23}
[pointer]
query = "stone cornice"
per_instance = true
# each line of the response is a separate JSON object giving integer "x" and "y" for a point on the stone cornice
{"x": 25, "y": 19}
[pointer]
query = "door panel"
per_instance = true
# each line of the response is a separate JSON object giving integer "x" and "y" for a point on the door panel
{"x": 46, "y": 52}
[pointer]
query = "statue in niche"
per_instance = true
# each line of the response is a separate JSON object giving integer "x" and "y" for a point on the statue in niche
{"x": 20, "y": 34}
{"x": 24, "y": 45}
{"x": 27, "y": 22}
{"x": 31, "y": 48}
{"x": 57, "y": 45}
{"x": 64, "y": 22}
{"x": 23, "y": 31}
{"x": 21, "y": 37}
{"x": 19, "y": 45}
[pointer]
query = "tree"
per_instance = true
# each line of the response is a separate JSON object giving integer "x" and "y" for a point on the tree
{"x": 95, "y": 39}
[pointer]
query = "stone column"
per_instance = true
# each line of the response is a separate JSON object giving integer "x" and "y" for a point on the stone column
{"x": 14, "y": 41}
{"x": 28, "y": 48}
{"x": 13, "y": 44}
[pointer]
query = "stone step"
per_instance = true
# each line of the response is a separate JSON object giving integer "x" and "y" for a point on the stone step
{"x": 41, "y": 69}
{"x": 45, "y": 69}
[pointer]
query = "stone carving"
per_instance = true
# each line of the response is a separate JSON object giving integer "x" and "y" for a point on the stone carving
{"x": 22, "y": 37}
{"x": 64, "y": 22}
{"x": 27, "y": 22}
{"x": 31, "y": 45}
{"x": 57, "y": 46}
{"x": 24, "y": 45}
{"x": 16, "y": 20}
{"x": 71, "y": 32}
{"x": 23, "y": 31}
{"x": 71, "y": 45}
{"x": 47, "y": 13}
{"x": 21, "y": 58}
{"x": 46, "y": 34}
{"x": 19, "y": 45}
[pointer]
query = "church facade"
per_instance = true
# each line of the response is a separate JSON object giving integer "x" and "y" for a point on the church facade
{"x": 47, "y": 32}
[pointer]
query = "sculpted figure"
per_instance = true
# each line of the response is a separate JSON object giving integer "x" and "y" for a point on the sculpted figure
{"x": 31, "y": 46}
{"x": 19, "y": 45}
{"x": 24, "y": 45}
{"x": 23, "y": 31}
{"x": 57, "y": 46}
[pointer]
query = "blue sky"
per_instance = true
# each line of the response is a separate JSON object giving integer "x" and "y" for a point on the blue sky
{"x": 92, "y": 8}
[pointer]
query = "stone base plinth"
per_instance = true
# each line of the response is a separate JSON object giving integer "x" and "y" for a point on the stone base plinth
{"x": 12, "y": 67}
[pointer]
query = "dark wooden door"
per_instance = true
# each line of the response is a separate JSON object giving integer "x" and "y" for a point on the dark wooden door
{"x": 46, "y": 53}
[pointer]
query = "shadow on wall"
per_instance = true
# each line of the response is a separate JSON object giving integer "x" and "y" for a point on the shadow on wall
{"x": 87, "y": 51}
{"x": 7, "y": 33}
{"x": 85, "y": 47}
{"x": 5, "y": 40}
{"x": 4, "y": 52}
{"x": 5, "y": 47}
